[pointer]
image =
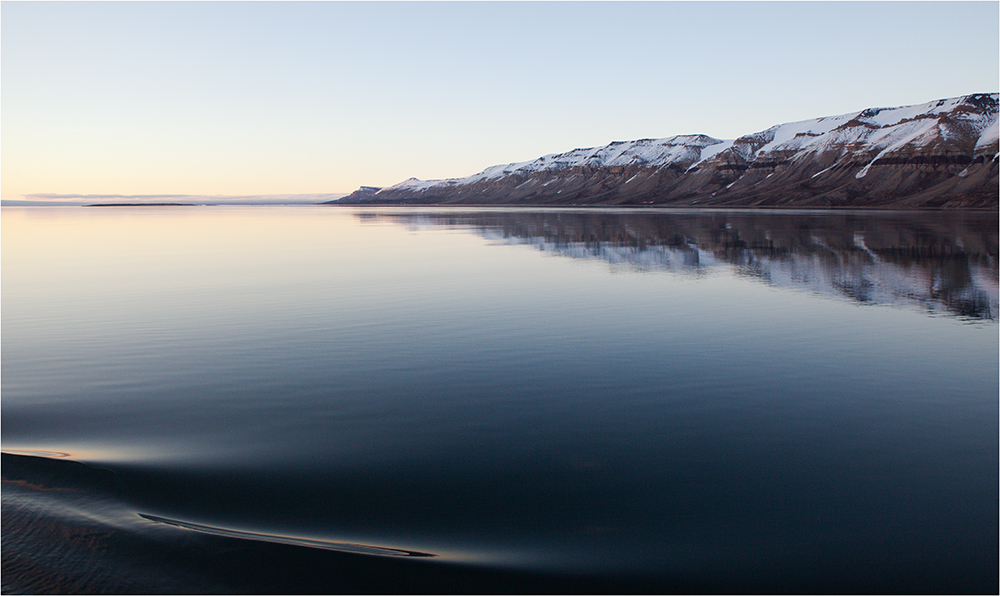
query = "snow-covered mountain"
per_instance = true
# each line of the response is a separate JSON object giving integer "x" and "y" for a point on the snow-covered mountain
{"x": 938, "y": 154}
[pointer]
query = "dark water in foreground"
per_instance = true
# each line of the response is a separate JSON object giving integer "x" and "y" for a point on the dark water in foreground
{"x": 313, "y": 399}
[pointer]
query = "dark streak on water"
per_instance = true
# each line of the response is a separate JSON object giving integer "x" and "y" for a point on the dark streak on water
{"x": 316, "y": 400}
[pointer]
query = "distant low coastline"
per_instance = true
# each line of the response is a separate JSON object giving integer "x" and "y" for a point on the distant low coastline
{"x": 161, "y": 200}
{"x": 143, "y": 205}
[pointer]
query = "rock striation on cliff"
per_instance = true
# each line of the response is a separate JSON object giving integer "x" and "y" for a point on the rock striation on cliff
{"x": 941, "y": 154}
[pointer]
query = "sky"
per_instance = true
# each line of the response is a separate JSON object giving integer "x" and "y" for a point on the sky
{"x": 255, "y": 99}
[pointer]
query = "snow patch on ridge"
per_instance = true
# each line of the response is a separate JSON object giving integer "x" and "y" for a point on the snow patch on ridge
{"x": 712, "y": 150}
{"x": 879, "y": 126}
{"x": 643, "y": 152}
{"x": 989, "y": 136}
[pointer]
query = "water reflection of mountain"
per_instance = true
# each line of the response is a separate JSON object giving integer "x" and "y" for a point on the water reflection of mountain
{"x": 943, "y": 262}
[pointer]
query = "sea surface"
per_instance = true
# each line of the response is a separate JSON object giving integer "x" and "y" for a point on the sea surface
{"x": 344, "y": 399}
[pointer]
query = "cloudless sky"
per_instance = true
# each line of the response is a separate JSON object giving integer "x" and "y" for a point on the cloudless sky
{"x": 314, "y": 97}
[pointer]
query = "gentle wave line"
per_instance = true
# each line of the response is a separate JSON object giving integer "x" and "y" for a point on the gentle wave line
{"x": 324, "y": 544}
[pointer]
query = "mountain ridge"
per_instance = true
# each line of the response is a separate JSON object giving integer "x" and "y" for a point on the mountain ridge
{"x": 939, "y": 154}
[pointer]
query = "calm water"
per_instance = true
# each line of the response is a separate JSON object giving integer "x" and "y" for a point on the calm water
{"x": 322, "y": 399}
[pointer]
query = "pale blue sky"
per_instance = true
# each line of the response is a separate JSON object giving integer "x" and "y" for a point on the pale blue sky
{"x": 317, "y": 97}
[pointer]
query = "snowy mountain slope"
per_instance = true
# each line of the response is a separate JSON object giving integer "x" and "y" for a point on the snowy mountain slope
{"x": 682, "y": 150}
{"x": 938, "y": 154}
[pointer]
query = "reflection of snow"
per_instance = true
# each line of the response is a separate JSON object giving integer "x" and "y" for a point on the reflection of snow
{"x": 861, "y": 275}
{"x": 859, "y": 241}
{"x": 949, "y": 272}
{"x": 689, "y": 260}
{"x": 930, "y": 287}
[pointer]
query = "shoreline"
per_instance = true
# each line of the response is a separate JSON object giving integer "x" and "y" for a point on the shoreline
{"x": 993, "y": 209}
